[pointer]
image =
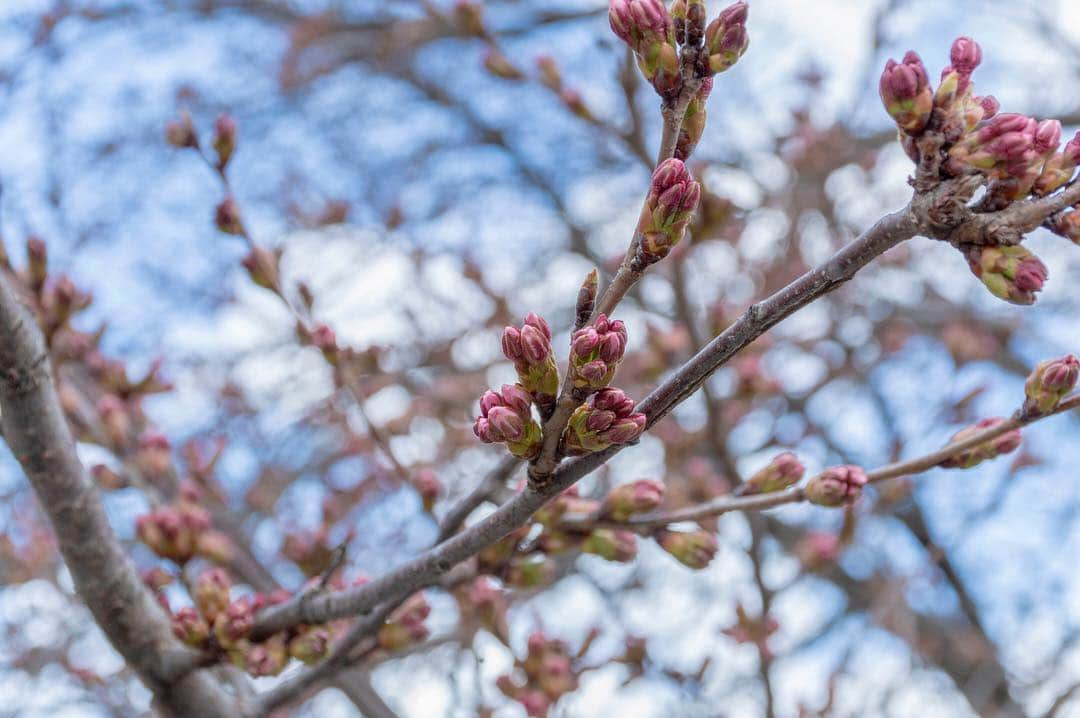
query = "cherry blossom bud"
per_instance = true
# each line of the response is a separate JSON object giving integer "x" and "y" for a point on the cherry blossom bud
{"x": 530, "y": 571}
{"x": 1067, "y": 225}
{"x": 214, "y": 546}
{"x": 726, "y": 38}
{"x": 37, "y": 262}
{"x": 817, "y": 549}
{"x": 211, "y": 592}
{"x": 613, "y": 545}
{"x": 224, "y": 139}
{"x": 905, "y": 91}
{"x": 1003, "y": 444}
{"x": 156, "y": 578}
{"x": 530, "y": 349}
{"x": 607, "y": 418}
{"x": 836, "y": 486}
{"x": 427, "y": 485}
{"x": 694, "y": 549}
{"x": 190, "y": 627}
{"x": 227, "y": 217}
{"x": 637, "y": 497}
{"x": 154, "y": 453}
{"x": 586, "y": 299}
{"x": 262, "y": 266}
{"x": 673, "y": 197}
{"x": 1011, "y": 273}
{"x": 500, "y": 65}
{"x": 181, "y": 132}
{"x": 595, "y": 353}
{"x": 965, "y": 55}
{"x": 116, "y": 419}
{"x": 647, "y": 28}
{"x": 268, "y": 658}
{"x": 506, "y": 417}
{"x": 310, "y": 645}
{"x": 783, "y": 471}
{"x": 693, "y": 125}
{"x": 233, "y": 624}
{"x": 1049, "y": 383}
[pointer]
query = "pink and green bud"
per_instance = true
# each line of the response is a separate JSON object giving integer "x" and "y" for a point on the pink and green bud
{"x": 506, "y": 417}
{"x": 211, "y": 592}
{"x": 310, "y": 645}
{"x": 227, "y": 217}
{"x": 607, "y": 418}
{"x": 595, "y": 353}
{"x": 693, "y": 125}
{"x": 1049, "y": 383}
{"x": 232, "y": 625}
{"x": 673, "y": 197}
{"x": 649, "y": 30}
{"x": 694, "y": 549}
{"x": 530, "y": 571}
{"x": 586, "y": 299}
{"x": 612, "y": 545}
{"x": 965, "y": 55}
{"x": 1011, "y": 273}
{"x": 836, "y": 486}
{"x": 181, "y": 132}
{"x": 905, "y": 91}
{"x": 530, "y": 349}
{"x": 427, "y": 485}
{"x": 1067, "y": 225}
{"x": 268, "y": 658}
{"x": 406, "y": 627}
{"x": 991, "y": 449}
{"x": 1059, "y": 168}
{"x": 783, "y": 471}
{"x": 224, "y": 141}
{"x": 190, "y": 627}
{"x": 726, "y": 38}
{"x": 262, "y": 266}
{"x": 214, "y": 546}
{"x": 637, "y": 497}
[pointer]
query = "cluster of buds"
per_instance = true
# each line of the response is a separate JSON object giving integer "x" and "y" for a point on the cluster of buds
{"x": 627, "y": 500}
{"x": 1014, "y": 149}
{"x": 611, "y": 544}
{"x": 607, "y": 418}
{"x": 530, "y": 349}
{"x": 595, "y": 353}
{"x": 1010, "y": 272}
{"x": 693, "y": 549}
{"x": 673, "y": 196}
{"x": 506, "y": 417}
{"x": 1003, "y": 444}
{"x": 836, "y": 486}
{"x": 406, "y": 627}
{"x": 484, "y": 603}
{"x": 546, "y": 674}
{"x": 783, "y": 471}
{"x": 726, "y": 38}
{"x": 181, "y": 531}
{"x": 1049, "y": 383}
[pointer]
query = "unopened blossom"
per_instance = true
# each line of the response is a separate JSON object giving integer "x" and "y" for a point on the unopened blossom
{"x": 116, "y": 419}
{"x": 427, "y": 485}
{"x": 586, "y": 298}
{"x": 227, "y": 217}
{"x": 726, "y": 38}
{"x": 310, "y": 645}
{"x": 530, "y": 349}
{"x": 1048, "y": 384}
{"x": 1067, "y": 224}
{"x": 991, "y": 449}
{"x": 506, "y": 417}
{"x": 181, "y": 132}
{"x": 595, "y": 353}
{"x": 817, "y": 549}
{"x": 406, "y": 627}
{"x": 905, "y": 91}
{"x": 262, "y": 266}
{"x": 154, "y": 453}
{"x": 1011, "y": 273}
{"x": 694, "y": 549}
{"x": 649, "y": 30}
{"x": 232, "y": 625}
{"x": 637, "y": 497}
{"x": 693, "y": 125}
{"x": 783, "y": 471}
{"x": 673, "y": 196}
{"x": 268, "y": 658}
{"x": 1059, "y": 168}
{"x": 607, "y": 418}
{"x": 965, "y": 55}
{"x": 211, "y": 592}
{"x": 172, "y": 531}
{"x": 836, "y": 486}
{"x": 530, "y": 571}
{"x": 224, "y": 141}
{"x": 190, "y": 627}
{"x": 1009, "y": 145}
{"x": 611, "y": 544}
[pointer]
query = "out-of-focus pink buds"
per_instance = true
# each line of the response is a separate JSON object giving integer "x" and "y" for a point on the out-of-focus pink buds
{"x": 268, "y": 658}
{"x": 611, "y": 544}
{"x": 965, "y": 55}
{"x": 1011, "y": 273}
{"x": 406, "y": 627}
{"x": 1048, "y": 384}
{"x": 648, "y": 29}
{"x": 154, "y": 453}
{"x": 500, "y": 65}
{"x": 232, "y": 625}
{"x": 181, "y": 132}
{"x": 783, "y": 471}
{"x": 214, "y": 546}
{"x": 607, "y": 418}
{"x": 530, "y": 349}
{"x": 427, "y": 485}
{"x": 172, "y": 531}
{"x": 262, "y": 266}
{"x": 637, "y": 497}
{"x": 595, "y": 353}
{"x": 673, "y": 196}
{"x": 211, "y": 592}
{"x": 224, "y": 139}
{"x": 694, "y": 549}
{"x": 817, "y": 549}
{"x": 693, "y": 125}
{"x": 726, "y": 38}
{"x": 1003, "y": 444}
{"x": 190, "y": 627}
{"x": 836, "y": 486}
{"x": 905, "y": 91}
{"x": 530, "y": 571}
{"x": 506, "y": 417}
{"x": 227, "y": 217}
{"x": 116, "y": 419}
{"x": 310, "y": 645}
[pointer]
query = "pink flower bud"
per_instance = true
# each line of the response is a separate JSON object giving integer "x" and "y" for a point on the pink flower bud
{"x": 837, "y": 486}
{"x": 783, "y": 471}
{"x": 592, "y": 428}
{"x": 224, "y": 139}
{"x": 634, "y": 498}
{"x": 1049, "y": 383}
{"x": 211, "y": 592}
{"x": 1047, "y": 136}
{"x": 227, "y": 217}
{"x": 268, "y": 658}
{"x": 693, "y": 549}
{"x": 612, "y": 545}
{"x": 1004, "y": 444}
{"x": 1011, "y": 273}
{"x": 190, "y": 627}
{"x": 905, "y": 91}
{"x": 310, "y": 645}
{"x": 965, "y": 55}
{"x": 726, "y": 38}
{"x": 181, "y": 132}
